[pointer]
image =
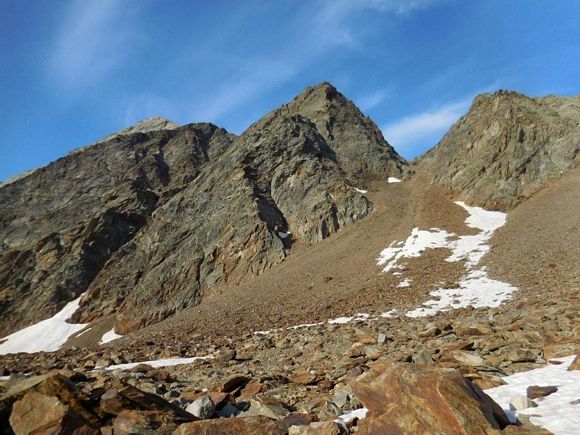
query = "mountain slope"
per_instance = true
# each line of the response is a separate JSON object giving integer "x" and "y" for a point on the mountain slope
{"x": 146, "y": 223}
{"x": 60, "y": 224}
{"x": 506, "y": 147}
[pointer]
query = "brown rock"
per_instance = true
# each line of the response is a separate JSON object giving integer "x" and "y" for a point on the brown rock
{"x": 38, "y": 413}
{"x": 535, "y": 391}
{"x": 231, "y": 426}
{"x": 234, "y": 383}
{"x": 575, "y": 364}
{"x": 251, "y": 389}
{"x": 141, "y": 368}
{"x": 404, "y": 398}
{"x": 316, "y": 428}
{"x": 303, "y": 379}
{"x": 130, "y": 422}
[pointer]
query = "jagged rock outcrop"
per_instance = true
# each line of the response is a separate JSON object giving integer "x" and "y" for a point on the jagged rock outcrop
{"x": 147, "y": 222}
{"x": 360, "y": 147}
{"x": 506, "y": 147}
{"x": 60, "y": 224}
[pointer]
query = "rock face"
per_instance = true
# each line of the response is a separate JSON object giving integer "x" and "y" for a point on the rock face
{"x": 150, "y": 219}
{"x": 406, "y": 399}
{"x": 506, "y": 147}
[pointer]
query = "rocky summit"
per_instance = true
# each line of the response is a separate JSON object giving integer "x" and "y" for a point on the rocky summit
{"x": 300, "y": 278}
{"x": 506, "y": 147}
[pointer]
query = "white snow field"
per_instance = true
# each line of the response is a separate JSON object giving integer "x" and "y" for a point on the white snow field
{"x": 556, "y": 412}
{"x": 475, "y": 289}
{"x": 157, "y": 363}
{"x": 109, "y": 336}
{"x": 45, "y": 336}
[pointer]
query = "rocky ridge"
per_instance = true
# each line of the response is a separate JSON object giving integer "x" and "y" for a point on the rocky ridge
{"x": 156, "y": 218}
{"x": 506, "y": 147}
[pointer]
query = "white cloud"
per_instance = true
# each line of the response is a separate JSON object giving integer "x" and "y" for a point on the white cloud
{"x": 411, "y": 129}
{"x": 319, "y": 28}
{"x": 92, "y": 40}
{"x": 369, "y": 101}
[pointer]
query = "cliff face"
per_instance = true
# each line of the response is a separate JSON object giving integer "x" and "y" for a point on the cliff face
{"x": 506, "y": 147}
{"x": 149, "y": 219}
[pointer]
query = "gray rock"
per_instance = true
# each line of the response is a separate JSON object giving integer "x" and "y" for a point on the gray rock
{"x": 202, "y": 408}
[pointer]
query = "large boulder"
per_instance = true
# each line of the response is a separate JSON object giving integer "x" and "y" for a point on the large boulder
{"x": 408, "y": 399}
{"x": 38, "y": 413}
{"x": 232, "y": 426}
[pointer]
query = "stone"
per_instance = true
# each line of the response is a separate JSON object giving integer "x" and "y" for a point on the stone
{"x": 422, "y": 357}
{"x": 39, "y": 413}
{"x": 202, "y": 408}
{"x": 519, "y": 402}
{"x": 535, "y": 391}
{"x": 231, "y": 426}
{"x": 406, "y": 398}
{"x": 141, "y": 368}
{"x": 316, "y": 428}
{"x": 130, "y": 422}
{"x": 468, "y": 358}
{"x": 228, "y": 410}
{"x": 575, "y": 365}
{"x": 267, "y": 407}
{"x": 234, "y": 383}
{"x": 303, "y": 379}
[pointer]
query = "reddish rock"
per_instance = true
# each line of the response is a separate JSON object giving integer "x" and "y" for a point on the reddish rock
{"x": 38, "y": 413}
{"x": 231, "y": 426}
{"x": 575, "y": 364}
{"x": 251, "y": 389}
{"x": 303, "y": 379}
{"x": 317, "y": 428}
{"x": 130, "y": 422}
{"x": 235, "y": 383}
{"x": 404, "y": 398}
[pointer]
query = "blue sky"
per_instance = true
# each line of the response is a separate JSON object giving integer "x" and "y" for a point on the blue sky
{"x": 71, "y": 72}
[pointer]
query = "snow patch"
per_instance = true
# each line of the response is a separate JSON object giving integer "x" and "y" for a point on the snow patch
{"x": 414, "y": 246}
{"x": 405, "y": 283}
{"x": 475, "y": 289}
{"x": 158, "y": 363}
{"x": 343, "y": 320}
{"x": 4, "y": 378}
{"x": 393, "y": 180}
{"x": 555, "y": 412}
{"x": 109, "y": 336}
{"x": 45, "y": 336}
{"x": 351, "y": 415}
{"x": 360, "y": 190}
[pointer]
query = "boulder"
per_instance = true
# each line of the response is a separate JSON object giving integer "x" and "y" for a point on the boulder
{"x": 231, "y": 426}
{"x": 38, "y": 413}
{"x": 404, "y": 398}
{"x": 202, "y": 407}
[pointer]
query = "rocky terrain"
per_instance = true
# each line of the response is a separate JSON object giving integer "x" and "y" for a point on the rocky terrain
{"x": 146, "y": 221}
{"x": 506, "y": 147}
{"x": 250, "y": 301}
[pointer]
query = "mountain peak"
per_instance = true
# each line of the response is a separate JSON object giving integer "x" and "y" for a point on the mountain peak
{"x": 153, "y": 123}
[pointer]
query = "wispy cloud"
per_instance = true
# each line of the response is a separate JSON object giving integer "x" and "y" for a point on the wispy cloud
{"x": 371, "y": 100}
{"x": 409, "y": 131}
{"x": 92, "y": 40}
{"x": 319, "y": 28}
